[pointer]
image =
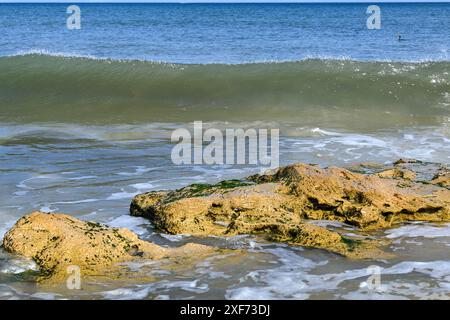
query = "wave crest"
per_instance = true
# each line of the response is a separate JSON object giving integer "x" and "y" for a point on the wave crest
{"x": 314, "y": 92}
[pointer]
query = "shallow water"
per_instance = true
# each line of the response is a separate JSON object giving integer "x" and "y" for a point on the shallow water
{"x": 93, "y": 176}
{"x": 267, "y": 271}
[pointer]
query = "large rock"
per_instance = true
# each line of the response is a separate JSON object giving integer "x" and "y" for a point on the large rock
{"x": 281, "y": 203}
{"x": 56, "y": 241}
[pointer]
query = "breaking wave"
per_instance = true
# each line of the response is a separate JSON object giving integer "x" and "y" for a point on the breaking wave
{"x": 315, "y": 92}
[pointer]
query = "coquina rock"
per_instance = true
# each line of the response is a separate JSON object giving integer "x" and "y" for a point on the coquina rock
{"x": 281, "y": 204}
{"x": 56, "y": 241}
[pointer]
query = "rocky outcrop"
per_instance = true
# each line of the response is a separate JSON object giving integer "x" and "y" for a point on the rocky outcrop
{"x": 280, "y": 204}
{"x": 56, "y": 241}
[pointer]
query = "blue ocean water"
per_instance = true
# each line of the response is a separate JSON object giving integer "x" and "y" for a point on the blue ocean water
{"x": 229, "y": 33}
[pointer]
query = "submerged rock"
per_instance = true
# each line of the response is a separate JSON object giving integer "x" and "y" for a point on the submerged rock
{"x": 280, "y": 204}
{"x": 56, "y": 241}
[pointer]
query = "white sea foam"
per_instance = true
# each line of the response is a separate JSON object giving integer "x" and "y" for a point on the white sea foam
{"x": 147, "y": 186}
{"x": 45, "y": 52}
{"x": 343, "y": 147}
{"x": 324, "y": 132}
{"x": 252, "y": 293}
{"x": 287, "y": 281}
{"x": 76, "y": 201}
{"x": 307, "y": 57}
{"x": 47, "y": 209}
{"x": 126, "y": 293}
{"x": 18, "y": 265}
{"x": 83, "y": 178}
{"x": 174, "y": 237}
{"x": 45, "y": 296}
{"x": 206, "y": 267}
{"x": 20, "y": 193}
{"x": 296, "y": 278}
{"x": 136, "y": 224}
{"x": 122, "y": 195}
{"x": 403, "y": 288}
{"x": 143, "y": 291}
{"x": 138, "y": 170}
{"x": 419, "y": 230}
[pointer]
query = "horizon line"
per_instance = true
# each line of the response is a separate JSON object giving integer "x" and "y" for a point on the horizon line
{"x": 230, "y": 2}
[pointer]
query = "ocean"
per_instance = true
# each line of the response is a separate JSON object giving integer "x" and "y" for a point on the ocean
{"x": 86, "y": 117}
{"x": 229, "y": 33}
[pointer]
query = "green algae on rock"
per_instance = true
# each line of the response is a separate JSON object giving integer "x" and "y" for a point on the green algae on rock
{"x": 280, "y": 204}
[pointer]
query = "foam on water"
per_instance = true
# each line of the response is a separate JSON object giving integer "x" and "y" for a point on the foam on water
{"x": 138, "y": 187}
{"x": 287, "y": 281}
{"x": 136, "y": 224}
{"x": 17, "y": 265}
{"x": 147, "y": 186}
{"x": 426, "y": 144}
{"x": 122, "y": 195}
{"x": 174, "y": 237}
{"x": 138, "y": 171}
{"x": 409, "y": 286}
{"x": 419, "y": 230}
{"x": 143, "y": 291}
{"x": 297, "y": 278}
{"x": 75, "y": 201}
{"x": 83, "y": 178}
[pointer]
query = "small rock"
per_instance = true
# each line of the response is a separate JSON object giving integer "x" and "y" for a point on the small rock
{"x": 397, "y": 173}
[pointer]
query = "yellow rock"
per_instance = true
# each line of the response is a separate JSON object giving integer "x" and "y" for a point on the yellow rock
{"x": 56, "y": 241}
{"x": 279, "y": 204}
